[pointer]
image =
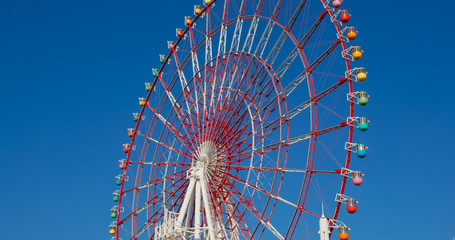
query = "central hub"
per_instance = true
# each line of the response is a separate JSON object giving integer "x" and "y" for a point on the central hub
{"x": 206, "y": 155}
{"x": 209, "y": 162}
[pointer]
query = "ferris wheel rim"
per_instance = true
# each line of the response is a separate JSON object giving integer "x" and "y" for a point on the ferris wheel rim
{"x": 170, "y": 55}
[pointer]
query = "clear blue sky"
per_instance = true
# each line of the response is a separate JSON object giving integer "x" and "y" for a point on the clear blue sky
{"x": 71, "y": 72}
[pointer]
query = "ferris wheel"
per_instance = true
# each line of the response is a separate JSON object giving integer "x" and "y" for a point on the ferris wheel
{"x": 246, "y": 131}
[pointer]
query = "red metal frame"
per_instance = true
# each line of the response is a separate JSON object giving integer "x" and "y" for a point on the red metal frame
{"x": 192, "y": 132}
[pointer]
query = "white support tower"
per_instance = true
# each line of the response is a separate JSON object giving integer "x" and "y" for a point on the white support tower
{"x": 187, "y": 223}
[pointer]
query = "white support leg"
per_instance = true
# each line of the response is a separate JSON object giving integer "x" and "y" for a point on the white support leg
{"x": 185, "y": 204}
{"x": 197, "y": 214}
{"x": 208, "y": 212}
{"x": 190, "y": 213}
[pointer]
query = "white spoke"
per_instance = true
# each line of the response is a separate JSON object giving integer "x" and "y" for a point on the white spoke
{"x": 195, "y": 70}
{"x": 251, "y": 34}
{"x": 264, "y": 39}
